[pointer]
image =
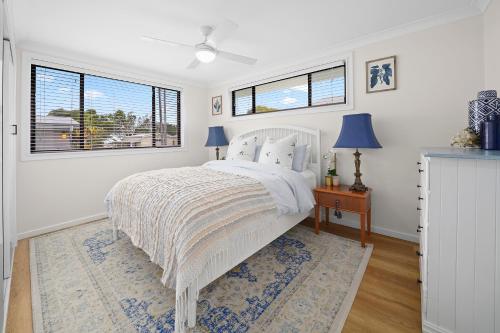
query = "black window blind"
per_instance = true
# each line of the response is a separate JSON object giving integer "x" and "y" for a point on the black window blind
{"x": 323, "y": 87}
{"x": 73, "y": 111}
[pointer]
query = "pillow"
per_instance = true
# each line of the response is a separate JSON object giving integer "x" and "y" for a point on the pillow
{"x": 258, "y": 148}
{"x": 301, "y": 156}
{"x": 242, "y": 149}
{"x": 278, "y": 152}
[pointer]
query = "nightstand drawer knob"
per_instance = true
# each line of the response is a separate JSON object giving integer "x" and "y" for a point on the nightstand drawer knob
{"x": 420, "y": 198}
{"x": 419, "y": 186}
{"x": 419, "y": 163}
{"x": 420, "y": 170}
{"x": 419, "y": 229}
{"x": 419, "y": 209}
{"x": 419, "y": 281}
{"x": 418, "y": 253}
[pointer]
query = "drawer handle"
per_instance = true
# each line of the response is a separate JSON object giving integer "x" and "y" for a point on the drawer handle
{"x": 419, "y": 186}
{"x": 420, "y": 170}
{"x": 419, "y": 254}
{"x": 420, "y": 198}
{"x": 337, "y": 213}
{"x": 419, "y": 229}
{"x": 419, "y": 209}
{"x": 419, "y": 281}
{"x": 419, "y": 163}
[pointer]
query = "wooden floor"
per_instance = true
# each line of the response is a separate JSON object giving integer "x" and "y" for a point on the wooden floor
{"x": 388, "y": 299}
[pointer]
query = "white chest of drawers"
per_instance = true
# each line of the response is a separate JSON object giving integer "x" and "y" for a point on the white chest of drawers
{"x": 459, "y": 206}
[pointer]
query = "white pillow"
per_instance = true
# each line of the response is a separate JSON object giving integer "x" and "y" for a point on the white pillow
{"x": 242, "y": 149}
{"x": 278, "y": 152}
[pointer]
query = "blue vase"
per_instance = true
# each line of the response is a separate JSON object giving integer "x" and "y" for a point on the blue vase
{"x": 489, "y": 133}
{"x": 486, "y": 104}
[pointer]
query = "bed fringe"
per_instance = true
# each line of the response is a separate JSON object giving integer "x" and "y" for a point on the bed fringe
{"x": 218, "y": 260}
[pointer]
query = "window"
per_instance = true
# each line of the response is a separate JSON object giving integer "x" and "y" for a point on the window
{"x": 324, "y": 87}
{"x": 73, "y": 111}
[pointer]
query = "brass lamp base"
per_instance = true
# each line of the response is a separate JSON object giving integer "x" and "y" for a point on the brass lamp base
{"x": 358, "y": 186}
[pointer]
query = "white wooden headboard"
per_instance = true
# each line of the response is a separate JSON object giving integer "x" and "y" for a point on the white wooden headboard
{"x": 305, "y": 136}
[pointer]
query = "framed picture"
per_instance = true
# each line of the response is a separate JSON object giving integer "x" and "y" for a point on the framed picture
{"x": 381, "y": 74}
{"x": 216, "y": 105}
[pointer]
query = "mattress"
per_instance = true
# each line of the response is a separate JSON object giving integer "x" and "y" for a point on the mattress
{"x": 310, "y": 177}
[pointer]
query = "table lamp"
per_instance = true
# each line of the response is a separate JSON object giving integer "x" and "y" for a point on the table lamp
{"x": 216, "y": 138}
{"x": 357, "y": 132}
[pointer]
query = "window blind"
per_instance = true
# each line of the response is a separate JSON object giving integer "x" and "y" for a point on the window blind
{"x": 73, "y": 111}
{"x": 323, "y": 87}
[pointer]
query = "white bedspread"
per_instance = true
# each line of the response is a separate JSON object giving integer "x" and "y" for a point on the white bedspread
{"x": 289, "y": 189}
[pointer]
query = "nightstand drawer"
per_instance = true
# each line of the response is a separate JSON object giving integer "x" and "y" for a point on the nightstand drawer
{"x": 344, "y": 203}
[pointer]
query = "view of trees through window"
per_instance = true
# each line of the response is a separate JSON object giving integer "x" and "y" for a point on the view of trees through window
{"x": 75, "y": 111}
{"x": 323, "y": 87}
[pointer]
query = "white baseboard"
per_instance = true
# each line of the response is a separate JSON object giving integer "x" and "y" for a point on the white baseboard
{"x": 59, "y": 226}
{"x": 379, "y": 230}
{"x": 431, "y": 328}
{"x": 346, "y": 222}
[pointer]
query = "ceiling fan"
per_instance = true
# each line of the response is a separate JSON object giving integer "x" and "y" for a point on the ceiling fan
{"x": 205, "y": 51}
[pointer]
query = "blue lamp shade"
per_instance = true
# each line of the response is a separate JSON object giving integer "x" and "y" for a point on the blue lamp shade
{"x": 216, "y": 137}
{"x": 357, "y": 132}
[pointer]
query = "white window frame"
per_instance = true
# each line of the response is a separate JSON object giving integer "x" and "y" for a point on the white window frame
{"x": 312, "y": 66}
{"x": 32, "y": 58}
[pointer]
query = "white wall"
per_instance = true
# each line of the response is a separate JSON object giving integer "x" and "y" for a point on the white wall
{"x": 52, "y": 192}
{"x": 439, "y": 70}
{"x": 492, "y": 45}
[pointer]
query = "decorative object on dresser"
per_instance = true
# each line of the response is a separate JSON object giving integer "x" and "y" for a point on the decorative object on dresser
{"x": 489, "y": 132}
{"x": 466, "y": 138}
{"x": 341, "y": 198}
{"x": 216, "y": 138}
{"x": 486, "y": 103}
{"x": 216, "y": 105}
{"x": 357, "y": 132}
{"x": 381, "y": 74}
{"x": 459, "y": 239}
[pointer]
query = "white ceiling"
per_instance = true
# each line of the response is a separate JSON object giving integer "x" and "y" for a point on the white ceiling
{"x": 273, "y": 31}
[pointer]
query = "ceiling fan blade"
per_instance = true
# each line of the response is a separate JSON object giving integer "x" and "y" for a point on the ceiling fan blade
{"x": 167, "y": 42}
{"x": 193, "y": 64}
{"x": 236, "y": 57}
{"x": 223, "y": 30}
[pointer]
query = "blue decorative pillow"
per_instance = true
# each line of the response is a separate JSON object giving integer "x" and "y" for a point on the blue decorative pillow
{"x": 301, "y": 157}
{"x": 257, "y": 153}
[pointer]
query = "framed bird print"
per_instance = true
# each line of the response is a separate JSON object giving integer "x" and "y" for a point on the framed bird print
{"x": 216, "y": 105}
{"x": 381, "y": 74}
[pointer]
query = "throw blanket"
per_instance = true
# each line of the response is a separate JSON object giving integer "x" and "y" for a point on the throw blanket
{"x": 182, "y": 218}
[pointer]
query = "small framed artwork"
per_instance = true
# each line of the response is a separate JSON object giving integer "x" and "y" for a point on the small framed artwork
{"x": 216, "y": 105}
{"x": 381, "y": 74}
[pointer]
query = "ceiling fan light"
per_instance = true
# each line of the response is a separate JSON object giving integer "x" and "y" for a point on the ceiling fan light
{"x": 205, "y": 56}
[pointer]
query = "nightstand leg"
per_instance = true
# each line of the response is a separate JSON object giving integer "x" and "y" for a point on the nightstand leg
{"x": 327, "y": 215}
{"x": 316, "y": 219}
{"x": 369, "y": 222}
{"x": 362, "y": 220}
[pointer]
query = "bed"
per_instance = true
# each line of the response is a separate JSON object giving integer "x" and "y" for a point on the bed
{"x": 218, "y": 214}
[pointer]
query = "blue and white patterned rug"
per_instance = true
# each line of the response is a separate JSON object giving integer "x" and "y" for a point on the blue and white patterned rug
{"x": 83, "y": 281}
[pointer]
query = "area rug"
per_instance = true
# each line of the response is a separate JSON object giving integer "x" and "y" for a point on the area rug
{"x": 83, "y": 281}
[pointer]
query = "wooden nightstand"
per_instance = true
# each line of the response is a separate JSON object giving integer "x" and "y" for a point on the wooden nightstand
{"x": 341, "y": 198}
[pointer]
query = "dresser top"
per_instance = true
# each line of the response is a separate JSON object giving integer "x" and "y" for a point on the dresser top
{"x": 470, "y": 153}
